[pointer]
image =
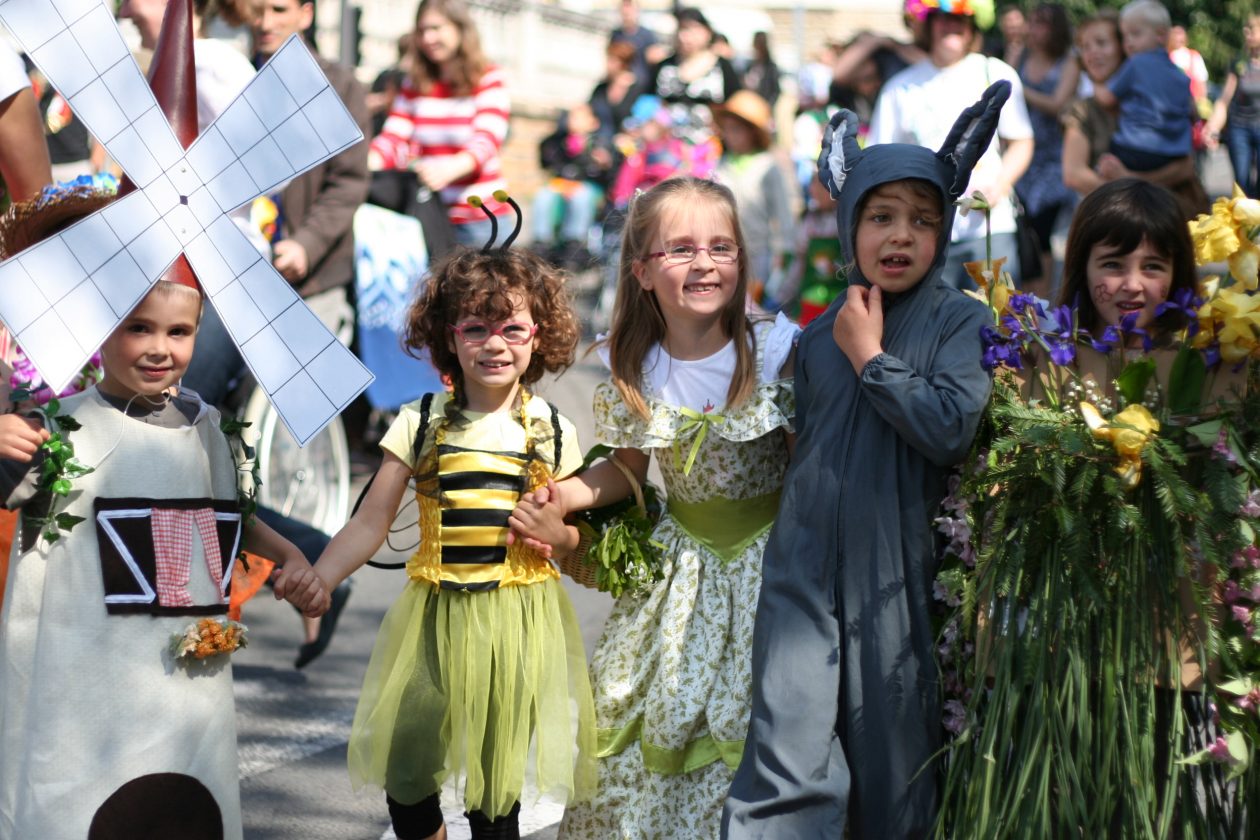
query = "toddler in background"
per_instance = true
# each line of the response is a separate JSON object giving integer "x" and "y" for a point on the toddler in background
{"x": 1150, "y": 93}
{"x": 582, "y": 161}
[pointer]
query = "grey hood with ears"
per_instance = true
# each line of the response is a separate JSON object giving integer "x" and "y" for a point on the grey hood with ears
{"x": 850, "y": 172}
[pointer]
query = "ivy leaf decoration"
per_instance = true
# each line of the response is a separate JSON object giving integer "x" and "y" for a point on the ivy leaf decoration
{"x": 233, "y": 429}
{"x": 59, "y": 470}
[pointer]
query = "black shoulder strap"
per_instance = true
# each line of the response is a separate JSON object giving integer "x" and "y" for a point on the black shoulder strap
{"x": 555, "y": 429}
{"x": 426, "y": 404}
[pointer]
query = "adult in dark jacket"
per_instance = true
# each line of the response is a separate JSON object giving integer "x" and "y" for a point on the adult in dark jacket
{"x": 846, "y": 709}
{"x": 312, "y": 241}
{"x": 314, "y": 248}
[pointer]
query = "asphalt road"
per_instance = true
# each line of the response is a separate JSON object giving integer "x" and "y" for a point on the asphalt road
{"x": 293, "y": 725}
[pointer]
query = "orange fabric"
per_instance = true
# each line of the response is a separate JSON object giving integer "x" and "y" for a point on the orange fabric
{"x": 8, "y": 525}
{"x": 245, "y": 584}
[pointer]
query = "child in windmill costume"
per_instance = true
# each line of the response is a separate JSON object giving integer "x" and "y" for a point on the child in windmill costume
{"x": 116, "y": 708}
{"x": 846, "y": 712}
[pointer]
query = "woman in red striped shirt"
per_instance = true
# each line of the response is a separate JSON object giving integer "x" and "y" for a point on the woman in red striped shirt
{"x": 450, "y": 118}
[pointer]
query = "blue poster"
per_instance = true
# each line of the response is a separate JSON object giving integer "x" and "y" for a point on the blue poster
{"x": 390, "y": 263}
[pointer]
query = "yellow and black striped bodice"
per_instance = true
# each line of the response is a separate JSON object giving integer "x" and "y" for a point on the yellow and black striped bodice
{"x": 464, "y": 505}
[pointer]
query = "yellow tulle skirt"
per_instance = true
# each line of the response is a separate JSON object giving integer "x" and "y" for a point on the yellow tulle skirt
{"x": 484, "y": 689}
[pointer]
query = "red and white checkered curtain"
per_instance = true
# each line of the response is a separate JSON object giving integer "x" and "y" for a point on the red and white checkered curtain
{"x": 172, "y": 545}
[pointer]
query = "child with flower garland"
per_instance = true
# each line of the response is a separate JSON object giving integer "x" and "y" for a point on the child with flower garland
{"x": 699, "y": 384}
{"x": 478, "y": 674}
{"x": 1096, "y": 706}
{"x": 108, "y": 719}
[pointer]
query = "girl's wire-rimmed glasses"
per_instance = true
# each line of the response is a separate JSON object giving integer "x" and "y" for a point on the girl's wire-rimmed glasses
{"x": 723, "y": 253}
{"x": 479, "y": 332}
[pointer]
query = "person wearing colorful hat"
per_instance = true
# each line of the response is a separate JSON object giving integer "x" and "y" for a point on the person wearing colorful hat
{"x": 919, "y": 104}
{"x": 747, "y": 166}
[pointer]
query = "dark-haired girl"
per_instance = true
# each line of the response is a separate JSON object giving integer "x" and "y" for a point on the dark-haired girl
{"x": 1128, "y": 251}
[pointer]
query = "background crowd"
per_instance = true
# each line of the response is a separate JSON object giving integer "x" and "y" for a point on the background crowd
{"x": 690, "y": 102}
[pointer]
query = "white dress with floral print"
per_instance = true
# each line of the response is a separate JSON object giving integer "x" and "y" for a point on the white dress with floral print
{"x": 671, "y": 671}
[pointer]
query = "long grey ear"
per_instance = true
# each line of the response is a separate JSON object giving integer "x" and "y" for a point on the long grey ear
{"x": 838, "y": 158}
{"x": 972, "y": 134}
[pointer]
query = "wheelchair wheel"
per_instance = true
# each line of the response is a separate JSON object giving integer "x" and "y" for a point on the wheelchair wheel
{"x": 311, "y": 483}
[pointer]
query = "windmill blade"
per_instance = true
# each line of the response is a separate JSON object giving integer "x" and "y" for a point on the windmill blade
{"x": 62, "y": 297}
{"x": 307, "y": 373}
{"x": 77, "y": 45}
{"x": 287, "y": 120}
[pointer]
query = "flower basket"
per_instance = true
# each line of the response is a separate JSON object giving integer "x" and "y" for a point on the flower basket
{"x": 622, "y": 556}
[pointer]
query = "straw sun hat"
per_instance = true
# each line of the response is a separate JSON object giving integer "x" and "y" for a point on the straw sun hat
{"x": 752, "y": 109}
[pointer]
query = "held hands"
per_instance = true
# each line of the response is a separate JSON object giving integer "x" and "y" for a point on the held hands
{"x": 297, "y": 583}
{"x": 1109, "y": 167}
{"x": 20, "y": 437}
{"x": 859, "y": 327}
{"x": 538, "y": 520}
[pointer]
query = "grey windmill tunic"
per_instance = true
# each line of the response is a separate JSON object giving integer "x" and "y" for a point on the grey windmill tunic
{"x": 846, "y": 708}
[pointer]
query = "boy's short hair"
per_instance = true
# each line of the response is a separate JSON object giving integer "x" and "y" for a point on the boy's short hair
{"x": 917, "y": 186}
{"x": 1150, "y": 12}
{"x": 168, "y": 288}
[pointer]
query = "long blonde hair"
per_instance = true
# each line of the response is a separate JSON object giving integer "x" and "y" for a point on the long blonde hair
{"x": 638, "y": 323}
{"x": 469, "y": 63}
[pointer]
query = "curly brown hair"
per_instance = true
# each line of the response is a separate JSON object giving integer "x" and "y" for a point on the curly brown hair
{"x": 490, "y": 285}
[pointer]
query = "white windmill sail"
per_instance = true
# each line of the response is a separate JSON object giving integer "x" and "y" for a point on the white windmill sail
{"x": 62, "y": 297}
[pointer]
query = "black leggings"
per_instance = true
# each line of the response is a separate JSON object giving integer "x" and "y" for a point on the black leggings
{"x": 415, "y": 822}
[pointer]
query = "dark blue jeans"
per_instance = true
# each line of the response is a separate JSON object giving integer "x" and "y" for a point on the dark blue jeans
{"x": 1243, "y": 140}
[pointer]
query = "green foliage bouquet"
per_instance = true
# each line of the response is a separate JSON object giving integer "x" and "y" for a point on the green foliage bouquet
{"x": 622, "y": 556}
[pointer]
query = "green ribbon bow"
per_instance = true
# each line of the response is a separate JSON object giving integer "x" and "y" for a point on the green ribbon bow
{"x": 699, "y": 422}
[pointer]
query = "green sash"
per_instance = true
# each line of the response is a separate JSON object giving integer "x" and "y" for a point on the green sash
{"x": 725, "y": 526}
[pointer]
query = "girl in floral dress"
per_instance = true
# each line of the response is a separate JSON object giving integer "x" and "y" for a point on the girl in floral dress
{"x": 699, "y": 385}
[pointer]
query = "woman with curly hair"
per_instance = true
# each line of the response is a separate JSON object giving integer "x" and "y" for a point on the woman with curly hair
{"x": 478, "y": 675}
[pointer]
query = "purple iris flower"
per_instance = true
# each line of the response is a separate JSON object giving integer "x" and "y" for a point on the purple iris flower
{"x": 1186, "y": 302}
{"x": 1128, "y": 326}
{"x": 999, "y": 350}
{"x": 1021, "y": 303}
{"x": 1060, "y": 335}
{"x": 1106, "y": 342}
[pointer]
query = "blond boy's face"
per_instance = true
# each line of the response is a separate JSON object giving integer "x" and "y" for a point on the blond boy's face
{"x": 1140, "y": 37}
{"x": 152, "y": 347}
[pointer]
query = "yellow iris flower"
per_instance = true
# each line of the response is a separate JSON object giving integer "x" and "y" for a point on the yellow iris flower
{"x": 1224, "y": 236}
{"x": 983, "y": 276}
{"x": 1237, "y": 317}
{"x": 1129, "y": 432}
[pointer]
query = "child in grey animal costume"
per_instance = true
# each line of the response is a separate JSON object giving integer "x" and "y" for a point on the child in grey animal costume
{"x": 846, "y": 711}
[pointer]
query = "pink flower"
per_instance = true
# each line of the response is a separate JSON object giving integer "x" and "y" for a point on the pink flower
{"x": 1219, "y": 751}
{"x": 941, "y": 593}
{"x": 1231, "y": 592}
{"x": 1251, "y": 507}
{"x": 955, "y": 716}
{"x": 1248, "y": 557}
{"x": 1242, "y": 613}
{"x": 1221, "y": 448}
{"x": 1249, "y": 702}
